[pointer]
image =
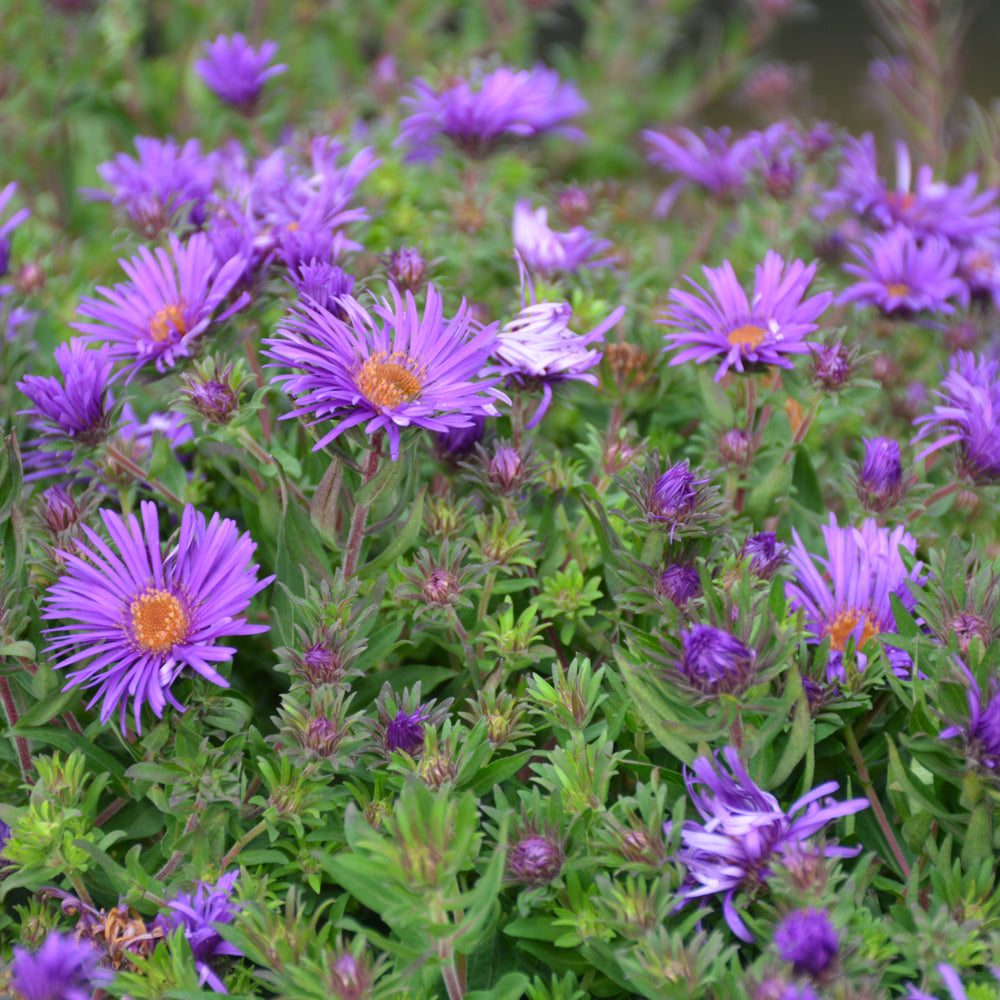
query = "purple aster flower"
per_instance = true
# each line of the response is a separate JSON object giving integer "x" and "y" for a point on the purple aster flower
{"x": 61, "y": 969}
{"x": 851, "y": 599}
{"x": 545, "y": 251}
{"x": 979, "y": 268}
{"x": 951, "y": 979}
{"x": 406, "y": 268}
{"x": 460, "y": 441}
{"x": 981, "y": 733}
{"x": 79, "y": 406}
{"x": 198, "y": 913}
{"x": 535, "y": 859}
{"x": 969, "y": 417}
{"x": 162, "y": 180}
{"x": 808, "y": 940}
{"x": 675, "y": 494}
{"x": 879, "y": 482}
{"x": 9, "y": 226}
{"x": 322, "y": 283}
{"x": 903, "y": 276}
{"x": 138, "y": 616}
{"x": 537, "y": 347}
{"x": 680, "y": 582}
{"x": 766, "y": 554}
{"x": 170, "y": 301}
{"x": 405, "y": 731}
{"x": 390, "y": 368}
{"x": 724, "y": 323}
{"x": 237, "y": 71}
{"x": 714, "y": 660}
{"x": 4, "y": 837}
{"x": 744, "y": 828}
{"x": 480, "y": 113}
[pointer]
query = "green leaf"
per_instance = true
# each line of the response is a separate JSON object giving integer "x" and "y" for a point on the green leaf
{"x": 798, "y": 741}
{"x": 325, "y": 500}
{"x": 805, "y": 482}
{"x": 765, "y": 493}
{"x": 67, "y": 740}
{"x": 510, "y": 987}
{"x": 48, "y": 708}
{"x": 404, "y": 538}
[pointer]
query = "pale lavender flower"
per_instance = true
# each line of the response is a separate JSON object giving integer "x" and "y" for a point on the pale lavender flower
{"x": 170, "y": 301}
{"x": 159, "y": 182}
{"x": 391, "y": 368}
{"x": 138, "y": 617}
{"x": 78, "y": 406}
{"x": 538, "y": 349}
{"x": 198, "y": 913}
{"x": 808, "y": 940}
{"x": 480, "y": 113}
{"x": 744, "y": 829}
{"x": 968, "y": 417}
{"x": 849, "y": 594}
{"x": 715, "y": 661}
{"x": 236, "y": 71}
{"x": 951, "y": 979}
{"x": 724, "y": 324}
{"x": 903, "y": 276}
{"x": 61, "y": 969}
{"x": 546, "y": 251}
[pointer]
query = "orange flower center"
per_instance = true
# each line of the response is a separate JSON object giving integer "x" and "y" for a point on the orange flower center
{"x": 158, "y": 620}
{"x": 390, "y": 379}
{"x": 898, "y": 288}
{"x": 843, "y": 625}
{"x": 169, "y": 319}
{"x": 750, "y": 335}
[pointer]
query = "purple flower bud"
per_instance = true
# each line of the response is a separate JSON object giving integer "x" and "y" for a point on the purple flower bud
{"x": 880, "y": 481}
{"x": 675, "y": 493}
{"x": 322, "y": 736}
{"x": 574, "y": 205}
{"x": 506, "y": 468}
{"x": 807, "y": 939}
{"x": 61, "y": 969}
{"x": 406, "y": 732}
{"x": 766, "y": 554}
{"x": 715, "y": 660}
{"x": 459, "y": 441}
{"x": 406, "y": 268}
{"x": 736, "y": 447}
{"x": 237, "y": 71}
{"x": 832, "y": 367}
{"x": 680, "y": 582}
{"x": 535, "y": 860}
{"x": 58, "y": 511}
{"x": 440, "y": 587}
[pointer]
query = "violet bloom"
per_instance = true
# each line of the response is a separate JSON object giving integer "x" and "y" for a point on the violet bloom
{"x": 715, "y": 661}
{"x": 680, "y": 582}
{"x": 968, "y": 417}
{"x": 675, "y": 496}
{"x": 8, "y": 227}
{"x": 480, "y": 113}
{"x": 138, "y": 617}
{"x": 405, "y": 732}
{"x": 236, "y": 71}
{"x": 979, "y": 268}
{"x": 903, "y": 277}
{"x": 392, "y": 368}
{"x": 724, "y": 323}
{"x": 61, "y": 969}
{"x": 538, "y": 349}
{"x": 79, "y": 406}
{"x": 198, "y": 913}
{"x": 460, "y": 441}
{"x": 744, "y": 829}
{"x": 766, "y": 554}
{"x": 981, "y": 733}
{"x": 808, "y": 940}
{"x": 322, "y": 283}
{"x": 169, "y": 303}
{"x": 848, "y": 595}
{"x": 546, "y": 252}
{"x": 879, "y": 483}
{"x": 159, "y": 182}
{"x": 535, "y": 859}
{"x": 951, "y": 979}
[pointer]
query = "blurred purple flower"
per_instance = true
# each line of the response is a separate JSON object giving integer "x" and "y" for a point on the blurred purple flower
{"x": 979, "y": 268}
{"x": 766, "y": 554}
{"x": 391, "y": 370}
{"x": 322, "y": 283}
{"x": 141, "y": 617}
{"x": 879, "y": 482}
{"x": 236, "y": 71}
{"x": 724, "y": 323}
{"x": 480, "y": 113}
{"x": 981, "y": 733}
{"x": 8, "y": 227}
{"x": 160, "y": 181}
{"x": 808, "y": 940}
{"x": 901, "y": 275}
{"x": 744, "y": 828}
{"x": 80, "y": 405}
{"x": 714, "y": 660}
{"x": 197, "y": 913}
{"x": 969, "y": 417}
{"x": 680, "y": 582}
{"x": 851, "y": 598}
{"x": 170, "y": 301}
{"x": 61, "y": 969}
{"x": 546, "y": 252}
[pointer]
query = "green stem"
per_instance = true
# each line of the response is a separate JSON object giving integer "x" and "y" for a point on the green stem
{"x": 20, "y": 743}
{"x": 116, "y": 456}
{"x": 178, "y": 856}
{"x": 247, "y": 837}
{"x": 360, "y": 517}
{"x": 933, "y": 499}
{"x": 880, "y": 816}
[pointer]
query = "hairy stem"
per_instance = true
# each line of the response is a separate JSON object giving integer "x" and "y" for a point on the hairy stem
{"x": 20, "y": 743}
{"x": 247, "y": 837}
{"x": 360, "y": 517}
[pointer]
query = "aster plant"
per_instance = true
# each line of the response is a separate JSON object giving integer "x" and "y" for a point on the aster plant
{"x": 236, "y": 71}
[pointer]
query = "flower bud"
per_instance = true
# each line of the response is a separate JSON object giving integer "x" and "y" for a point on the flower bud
{"x": 808, "y": 940}
{"x": 535, "y": 860}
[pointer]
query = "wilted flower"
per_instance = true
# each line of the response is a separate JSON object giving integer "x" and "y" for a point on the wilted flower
{"x": 480, "y": 113}
{"x": 236, "y": 71}
{"x": 169, "y": 303}
{"x": 744, "y": 830}
{"x": 407, "y": 370}
{"x": 196, "y": 912}
{"x": 808, "y": 940}
{"x": 724, "y": 323}
{"x": 766, "y": 554}
{"x": 141, "y": 616}
{"x": 79, "y": 406}
{"x": 680, "y": 582}
{"x": 61, "y": 969}
{"x": 834, "y": 366}
{"x": 902, "y": 276}
{"x": 714, "y": 661}
{"x": 546, "y": 252}
{"x": 969, "y": 417}
{"x": 852, "y": 598}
